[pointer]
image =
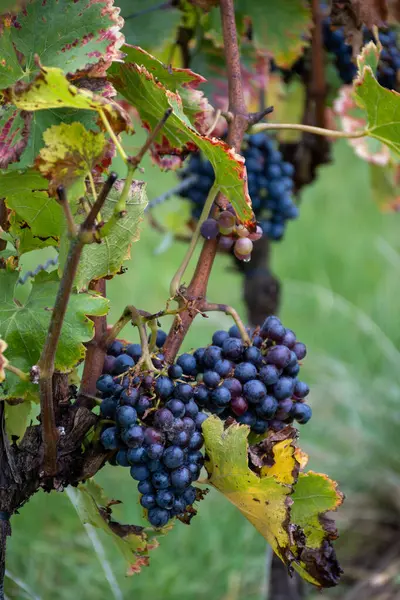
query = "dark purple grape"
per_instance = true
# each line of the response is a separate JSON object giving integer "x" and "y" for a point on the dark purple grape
{"x": 300, "y": 350}
{"x": 161, "y": 338}
{"x": 129, "y": 397}
{"x": 245, "y": 371}
{"x": 142, "y": 405}
{"x": 209, "y": 229}
{"x": 223, "y": 367}
{"x": 196, "y": 441}
{"x": 136, "y": 455}
{"x": 126, "y": 416}
{"x": 273, "y": 329}
{"x": 269, "y": 374}
{"x": 122, "y": 364}
{"x": 221, "y": 396}
{"x": 148, "y": 501}
{"x": 188, "y": 363}
{"x": 165, "y": 499}
{"x": 122, "y": 458}
{"x": 181, "y": 439}
{"x": 301, "y": 389}
{"x": 164, "y": 387}
{"x": 254, "y": 391}
{"x": 232, "y": 348}
{"x": 108, "y": 365}
{"x": 279, "y": 356}
{"x": 189, "y": 495}
{"x": 176, "y": 407}
{"x": 140, "y": 472}
{"x": 253, "y": 355}
{"x": 188, "y": 424}
{"x": 145, "y": 487}
{"x": 289, "y": 339}
{"x": 201, "y": 417}
{"x": 175, "y": 371}
{"x": 284, "y": 388}
{"x": 173, "y": 457}
{"x": 184, "y": 392}
{"x": 219, "y": 337}
{"x": 234, "y": 332}
{"x": 180, "y": 478}
{"x": 239, "y": 406}
{"x": 163, "y": 419}
{"x": 153, "y": 436}
{"x": 211, "y": 355}
{"x": 211, "y": 379}
{"x": 234, "y": 386}
{"x": 134, "y": 351}
{"x": 260, "y": 426}
{"x": 285, "y": 409}
{"x": 191, "y": 410}
{"x": 105, "y": 384}
{"x": 155, "y": 451}
{"x": 158, "y": 517}
{"x": 115, "y": 348}
{"x": 248, "y": 418}
{"x": 302, "y": 413}
{"x": 267, "y": 407}
{"x": 201, "y": 395}
{"x": 161, "y": 479}
{"x": 108, "y": 408}
{"x": 133, "y": 436}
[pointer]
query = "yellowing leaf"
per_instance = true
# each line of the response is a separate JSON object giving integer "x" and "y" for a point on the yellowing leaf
{"x": 286, "y": 507}
{"x": 70, "y": 153}
{"x": 265, "y": 500}
{"x": 133, "y": 542}
{"x": 51, "y": 89}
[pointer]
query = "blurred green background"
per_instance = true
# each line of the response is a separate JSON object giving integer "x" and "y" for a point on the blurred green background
{"x": 340, "y": 270}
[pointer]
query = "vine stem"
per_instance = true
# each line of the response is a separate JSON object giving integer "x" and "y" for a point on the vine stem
{"x": 228, "y": 310}
{"x": 308, "y": 129}
{"x": 176, "y": 280}
{"x": 46, "y": 362}
{"x": 237, "y": 127}
{"x": 318, "y": 83}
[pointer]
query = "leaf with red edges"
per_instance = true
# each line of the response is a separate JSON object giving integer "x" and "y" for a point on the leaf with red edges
{"x": 178, "y": 137}
{"x": 14, "y": 134}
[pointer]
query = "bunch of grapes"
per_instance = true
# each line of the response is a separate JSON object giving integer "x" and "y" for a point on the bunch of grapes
{"x": 256, "y": 385}
{"x": 232, "y": 235}
{"x": 155, "y": 428}
{"x": 389, "y": 63}
{"x": 153, "y": 420}
{"x": 270, "y": 182}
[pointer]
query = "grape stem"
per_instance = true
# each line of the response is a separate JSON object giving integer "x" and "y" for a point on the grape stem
{"x": 177, "y": 278}
{"x": 228, "y": 310}
{"x": 308, "y": 129}
{"x": 197, "y": 289}
{"x": 17, "y": 372}
{"x": 46, "y": 364}
{"x": 318, "y": 84}
{"x": 114, "y": 138}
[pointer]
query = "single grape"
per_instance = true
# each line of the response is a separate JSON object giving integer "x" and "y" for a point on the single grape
{"x": 108, "y": 408}
{"x": 239, "y": 406}
{"x": 115, "y": 348}
{"x": 134, "y": 351}
{"x": 189, "y": 495}
{"x": 152, "y": 435}
{"x": 232, "y": 348}
{"x": 191, "y": 409}
{"x": 221, "y": 396}
{"x": 201, "y": 394}
{"x": 126, "y": 416}
{"x": 176, "y": 407}
{"x": 260, "y": 426}
{"x": 122, "y": 458}
{"x": 105, "y": 384}
{"x": 269, "y": 374}
{"x": 225, "y": 243}
{"x": 165, "y": 499}
{"x": 180, "y": 478}
{"x": 219, "y": 337}
{"x": 164, "y": 387}
{"x": 175, "y": 371}
{"x": 273, "y": 329}
{"x": 226, "y": 222}
{"x": 302, "y": 413}
{"x": 158, "y": 517}
{"x": 242, "y": 232}
{"x": 184, "y": 392}
{"x": 133, "y": 436}
{"x": 188, "y": 363}
{"x": 279, "y": 356}
{"x": 148, "y": 501}
{"x": 301, "y": 389}
{"x": 243, "y": 247}
{"x": 283, "y": 388}
{"x": 211, "y": 379}
{"x": 145, "y": 487}
{"x": 142, "y": 405}
{"x": 254, "y": 391}
{"x": 245, "y": 371}
{"x": 109, "y": 438}
{"x": 136, "y": 455}
{"x": 122, "y": 364}
{"x": 223, "y": 367}
{"x": 155, "y": 451}
{"x": 300, "y": 350}
{"x": 129, "y": 397}
{"x": 173, "y": 457}
{"x": 289, "y": 339}
{"x": 161, "y": 479}
{"x": 209, "y": 229}
{"x": 234, "y": 386}
{"x": 108, "y": 365}
{"x": 200, "y": 418}
{"x": 139, "y": 472}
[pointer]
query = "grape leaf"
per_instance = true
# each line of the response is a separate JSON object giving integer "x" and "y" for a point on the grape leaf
{"x": 24, "y": 327}
{"x": 172, "y": 78}
{"x": 132, "y": 541}
{"x": 14, "y": 134}
{"x": 79, "y": 35}
{"x": 10, "y": 5}
{"x": 315, "y": 495}
{"x": 264, "y": 495}
{"x": 150, "y": 29}
{"x": 27, "y": 195}
{"x": 105, "y": 259}
{"x": 385, "y": 186}
{"x": 279, "y": 27}
{"x": 70, "y": 153}
{"x": 152, "y": 99}
{"x": 50, "y": 89}
{"x": 17, "y": 418}
{"x": 381, "y": 105}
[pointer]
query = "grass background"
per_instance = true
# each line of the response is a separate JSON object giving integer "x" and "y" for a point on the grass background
{"x": 339, "y": 266}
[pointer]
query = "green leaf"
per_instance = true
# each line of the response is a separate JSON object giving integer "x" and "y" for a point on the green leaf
{"x": 17, "y": 417}
{"x": 264, "y": 493}
{"x": 315, "y": 495}
{"x": 151, "y": 100}
{"x": 24, "y": 327}
{"x": 70, "y": 153}
{"x": 281, "y": 28}
{"x": 133, "y": 542}
{"x": 9, "y": 5}
{"x": 384, "y": 186}
{"x": 70, "y": 35}
{"x": 381, "y": 105}
{"x": 105, "y": 259}
{"x": 26, "y": 194}
{"x": 150, "y": 30}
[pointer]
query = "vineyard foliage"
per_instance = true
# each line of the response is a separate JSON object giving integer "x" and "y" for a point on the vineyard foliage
{"x": 75, "y": 82}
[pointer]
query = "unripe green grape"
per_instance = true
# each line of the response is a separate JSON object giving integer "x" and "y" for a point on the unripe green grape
{"x": 226, "y": 222}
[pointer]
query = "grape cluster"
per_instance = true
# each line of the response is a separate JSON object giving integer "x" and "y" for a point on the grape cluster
{"x": 155, "y": 429}
{"x": 389, "y": 63}
{"x": 153, "y": 420}
{"x": 270, "y": 182}
{"x": 256, "y": 385}
{"x": 231, "y": 234}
